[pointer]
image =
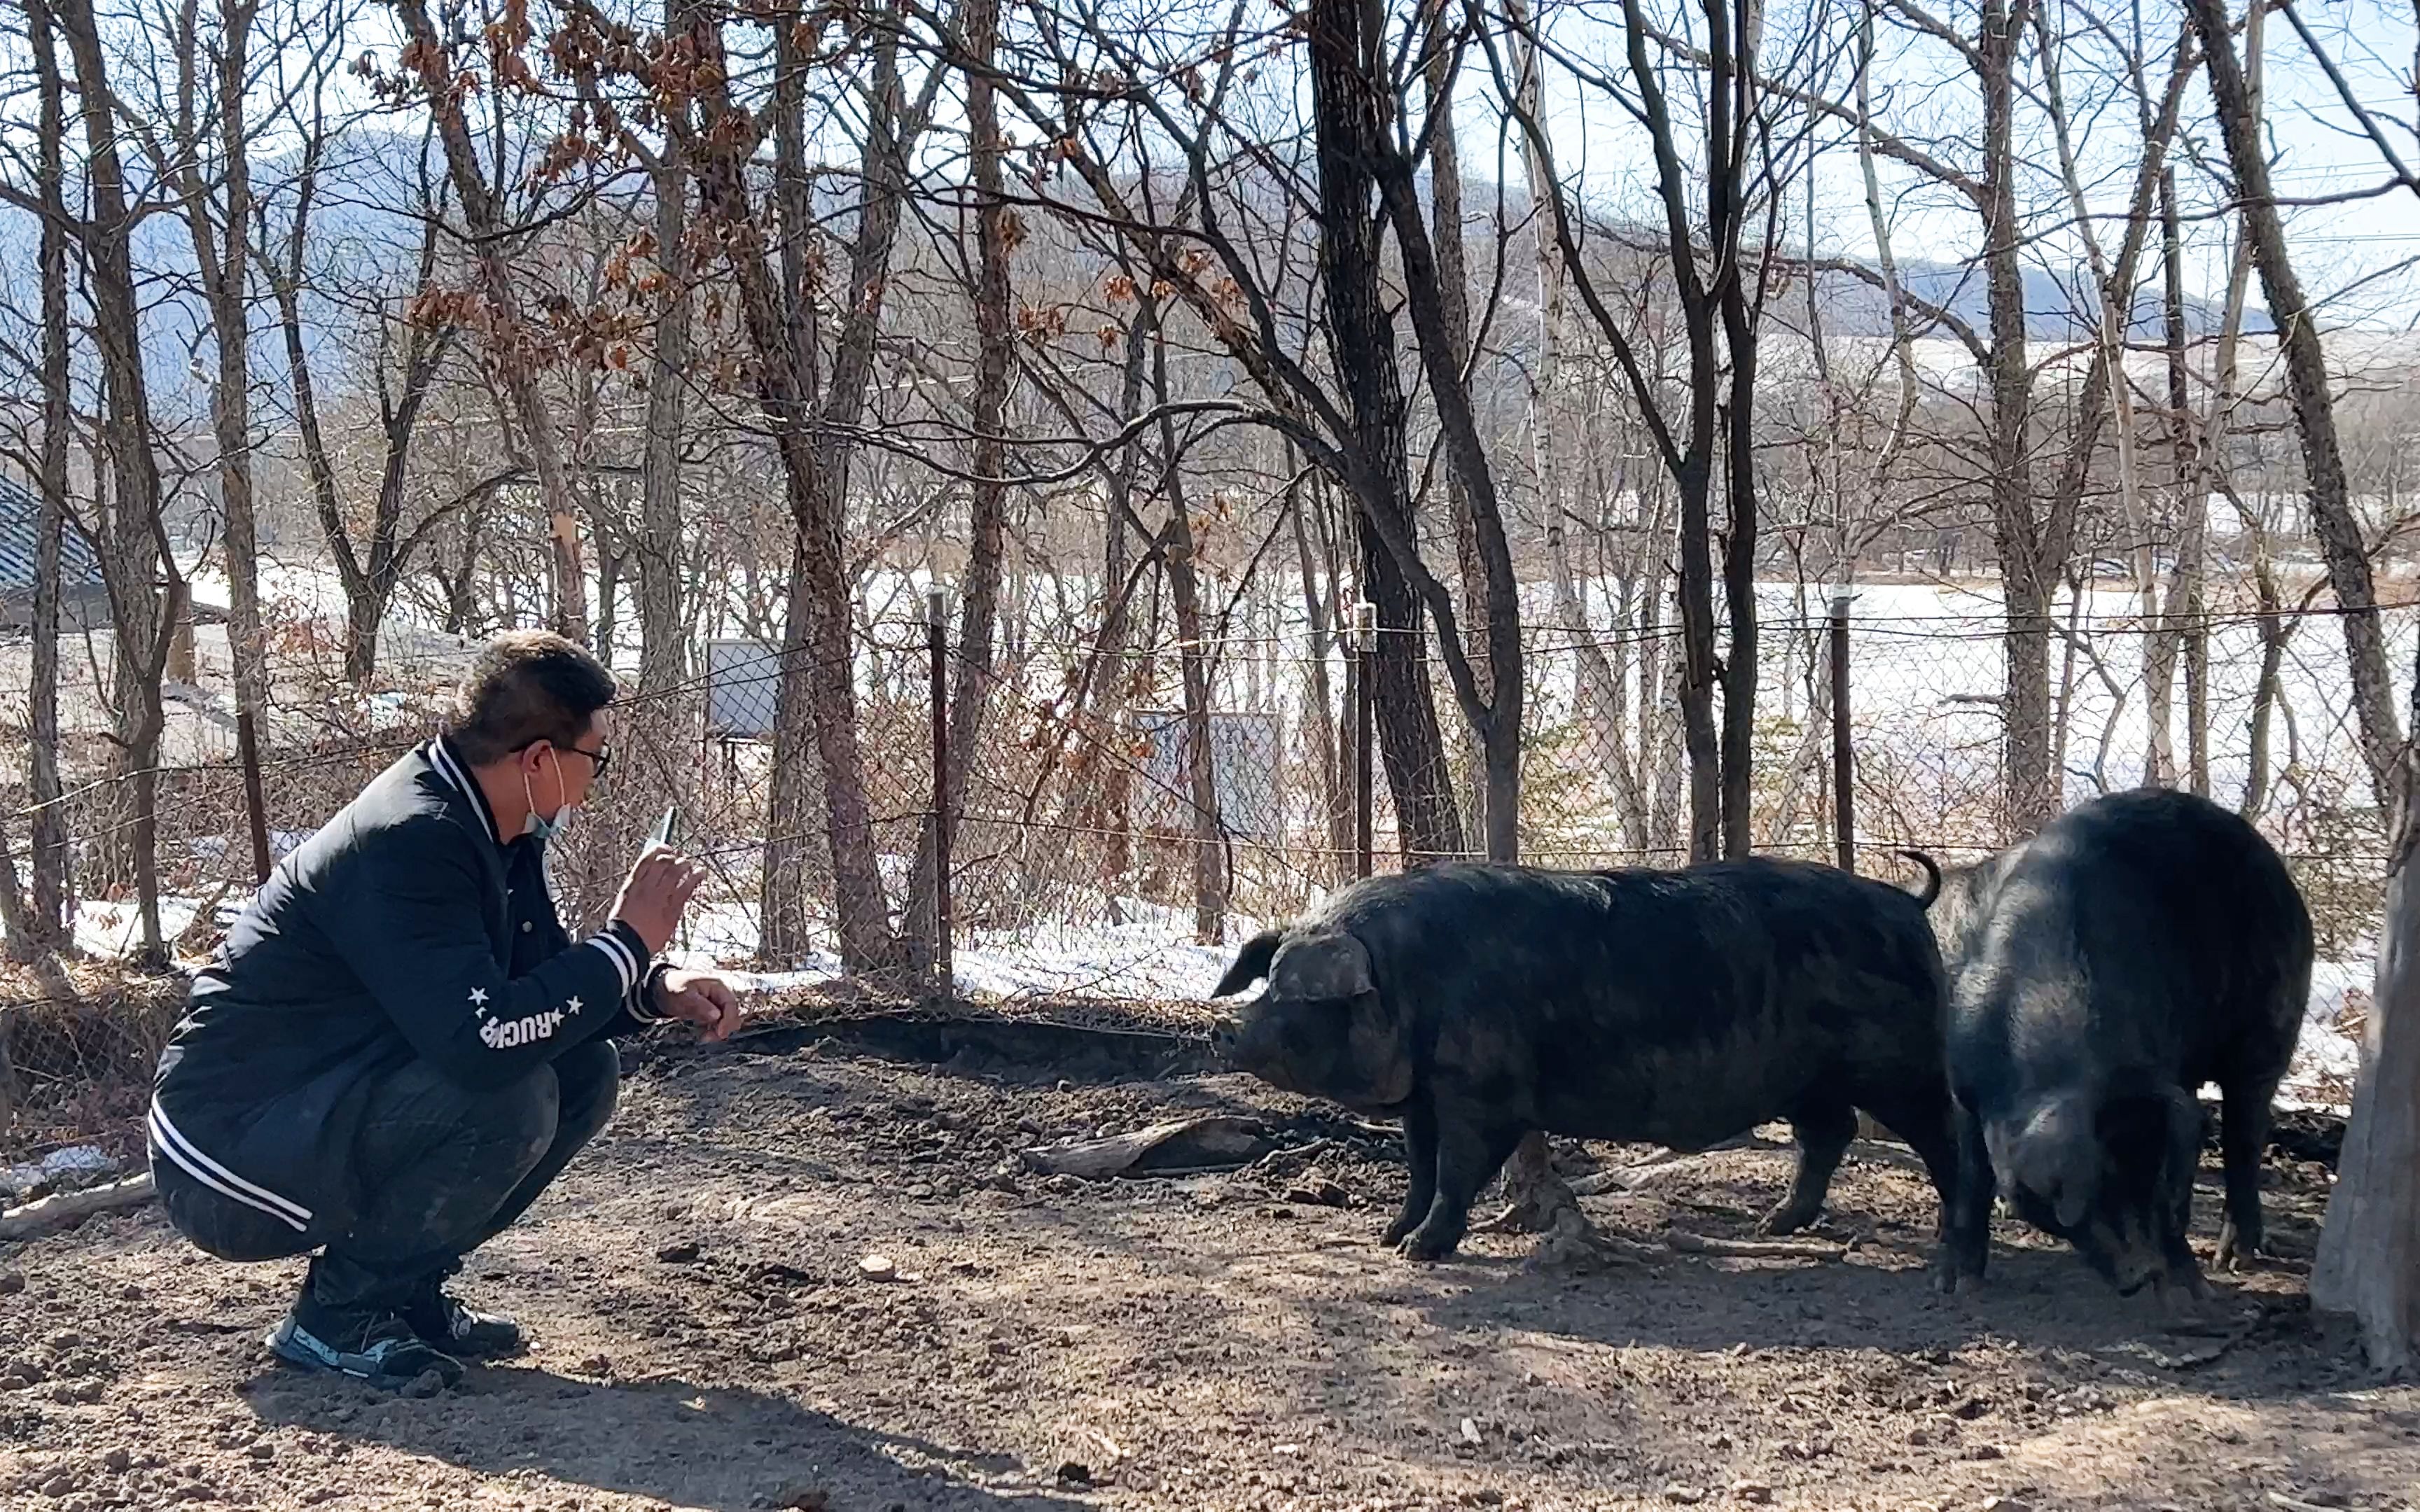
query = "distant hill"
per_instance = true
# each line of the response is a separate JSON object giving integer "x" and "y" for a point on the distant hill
{"x": 362, "y": 222}
{"x": 1854, "y": 307}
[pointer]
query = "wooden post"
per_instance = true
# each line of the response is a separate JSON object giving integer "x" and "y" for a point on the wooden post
{"x": 247, "y": 745}
{"x": 1844, "y": 802}
{"x": 179, "y": 668}
{"x": 936, "y": 641}
{"x": 1365, "y": 652}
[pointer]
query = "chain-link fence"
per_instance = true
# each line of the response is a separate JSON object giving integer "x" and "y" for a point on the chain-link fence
{"x": 1130, "y": 808}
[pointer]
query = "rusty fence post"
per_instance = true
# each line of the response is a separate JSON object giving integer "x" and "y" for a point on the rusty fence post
{"x": 1844, "y": 800}
{"x": 936, "y": 641}
{"x": 1365, "y": 652}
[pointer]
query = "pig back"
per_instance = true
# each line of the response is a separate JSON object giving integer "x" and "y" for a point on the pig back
{"x": 2146, "y": 934}
{"x": 1680, "y": 1007}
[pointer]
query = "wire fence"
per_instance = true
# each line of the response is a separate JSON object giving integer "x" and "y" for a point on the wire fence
{"x": 1097, "y": 851}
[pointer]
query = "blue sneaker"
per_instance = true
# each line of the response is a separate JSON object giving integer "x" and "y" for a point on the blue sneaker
{"x": 377, "y": 1349}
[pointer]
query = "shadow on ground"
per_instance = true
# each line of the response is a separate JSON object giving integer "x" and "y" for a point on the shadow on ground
{"x": 718, "y": 1448}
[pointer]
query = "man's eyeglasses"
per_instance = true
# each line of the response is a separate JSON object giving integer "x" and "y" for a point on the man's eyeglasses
{"x": 601, "y": 758}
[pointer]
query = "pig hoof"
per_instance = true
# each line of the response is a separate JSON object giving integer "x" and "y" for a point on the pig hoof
{"x": 1787, "y": 1219}
{"x": 1420, "y": 1245}
{"x": 2235, "y": 1252}
{"x": 1952, "y": 1275}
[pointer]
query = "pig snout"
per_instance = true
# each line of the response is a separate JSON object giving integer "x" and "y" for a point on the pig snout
{"x": 1226, "y": 1036}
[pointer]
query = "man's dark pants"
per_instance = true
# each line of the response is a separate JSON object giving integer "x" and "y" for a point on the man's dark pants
{"x": 442, "y": 1170}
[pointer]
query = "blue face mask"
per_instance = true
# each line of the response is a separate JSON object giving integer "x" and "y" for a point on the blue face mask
{"x": 546, "y": 828}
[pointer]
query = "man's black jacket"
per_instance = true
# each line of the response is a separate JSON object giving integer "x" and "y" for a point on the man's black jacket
{"x": 404, "y": 928}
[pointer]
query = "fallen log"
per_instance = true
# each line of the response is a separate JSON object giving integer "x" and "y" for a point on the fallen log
{"x": 69, "y": 1207}
{"x": 1217, "y": 1140}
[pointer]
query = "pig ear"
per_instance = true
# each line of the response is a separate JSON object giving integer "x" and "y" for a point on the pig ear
{"x": 1375, "y": 1040}
{"x": 1334, "y": 966}
{"x": 1328, "y": 964}
{"x": 2057, "y": 1158}
{"x": 1251, "y": 963}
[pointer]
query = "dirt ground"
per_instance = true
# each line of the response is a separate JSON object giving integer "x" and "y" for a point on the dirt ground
{"x": 705, "y": 1336}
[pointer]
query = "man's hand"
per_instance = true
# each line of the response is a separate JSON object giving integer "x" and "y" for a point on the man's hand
{"x": 655, "y": 893}
{"x": 700, "y": 998}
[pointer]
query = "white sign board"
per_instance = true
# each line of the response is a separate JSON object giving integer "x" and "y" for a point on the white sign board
{"x": 1243, "y": 773}
{"x": 743, "y": 682}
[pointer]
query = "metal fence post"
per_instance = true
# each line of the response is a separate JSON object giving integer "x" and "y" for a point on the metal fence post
{"x": 1844, "y": 801}
{"x": 1365, "y": 651}
{"x": 937, "y": 642}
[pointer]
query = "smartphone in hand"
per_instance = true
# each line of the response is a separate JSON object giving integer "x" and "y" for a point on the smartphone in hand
{"x": 668, "y": 829}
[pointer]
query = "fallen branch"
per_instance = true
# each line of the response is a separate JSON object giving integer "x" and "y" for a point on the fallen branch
{"x": 69, "y": 1207}
{"x": 1669, "y": 1163}
{"x": 1754, "y": 1249}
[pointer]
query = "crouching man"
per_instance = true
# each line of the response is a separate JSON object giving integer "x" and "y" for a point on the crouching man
{"x": 399, "y": 1047}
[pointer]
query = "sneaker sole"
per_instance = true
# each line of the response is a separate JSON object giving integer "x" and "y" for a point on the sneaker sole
{"x": 299, "y": 1349}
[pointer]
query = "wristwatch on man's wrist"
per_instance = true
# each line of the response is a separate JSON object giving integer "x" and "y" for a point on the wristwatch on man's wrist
{"x": 650, "y": 1006}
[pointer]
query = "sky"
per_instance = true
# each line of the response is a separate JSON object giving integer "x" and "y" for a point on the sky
{"x": 2349, "y": 254}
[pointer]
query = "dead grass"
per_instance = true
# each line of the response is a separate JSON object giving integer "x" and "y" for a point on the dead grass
{"x": 83, "y": 1063}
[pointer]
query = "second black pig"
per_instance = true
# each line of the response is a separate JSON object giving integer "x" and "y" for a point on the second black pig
{"x": 1478, "y": 1002}
{"x": 2101, "y": 972}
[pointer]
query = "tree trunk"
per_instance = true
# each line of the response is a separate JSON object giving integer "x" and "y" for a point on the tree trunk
{"x": 817, "y": 699}
{"x": 1210, "y": 880}
{"x": 223, "y": 254}
{"x": 516, "y": 349}
{"x": 2275, "y": 628}
{"x": 1334, "y": 772}
{"x": 1739, "y": 665}
{"x": 2186, "y": 635}
{"x": 1353, "y": 141}
{"x": 2028, "y": 575}
{"x": 52, "y": 901}
{"x": 2307, "y": 386}
{"x": 1453, "y": 298}
{"x": 975, "y": 673}
{"x": 1728, "y": 99}
{"x": 2369, "y": 1247}
{"x": 131, "y": 545}
{"x": 663, "y": 634}
{"x": 1417, "y": 774}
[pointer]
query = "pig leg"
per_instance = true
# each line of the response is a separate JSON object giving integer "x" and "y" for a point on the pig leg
{"x": 2243, "y": 1131}
{"x": 1823, "y": 1131}
{"x": 1421, "y": 1154}
{"x": 1469, "y": 1148}
{"x": 2184, "y": 1281}
{"x": 1924, "y": 1120}
{"x": 1969, "y": 1243}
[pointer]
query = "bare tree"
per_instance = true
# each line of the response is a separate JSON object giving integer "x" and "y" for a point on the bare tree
{"x": 1711, "y": 273}
{"x": 996, "y": 234}
{"x": 130, "y": 537}
{"x": 2307, "y": 387}
{"x": 519, "y": 353}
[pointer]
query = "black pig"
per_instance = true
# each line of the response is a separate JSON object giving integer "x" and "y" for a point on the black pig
{"x": 1478, "y": 1002}
{"x": 2101, "y": 972}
